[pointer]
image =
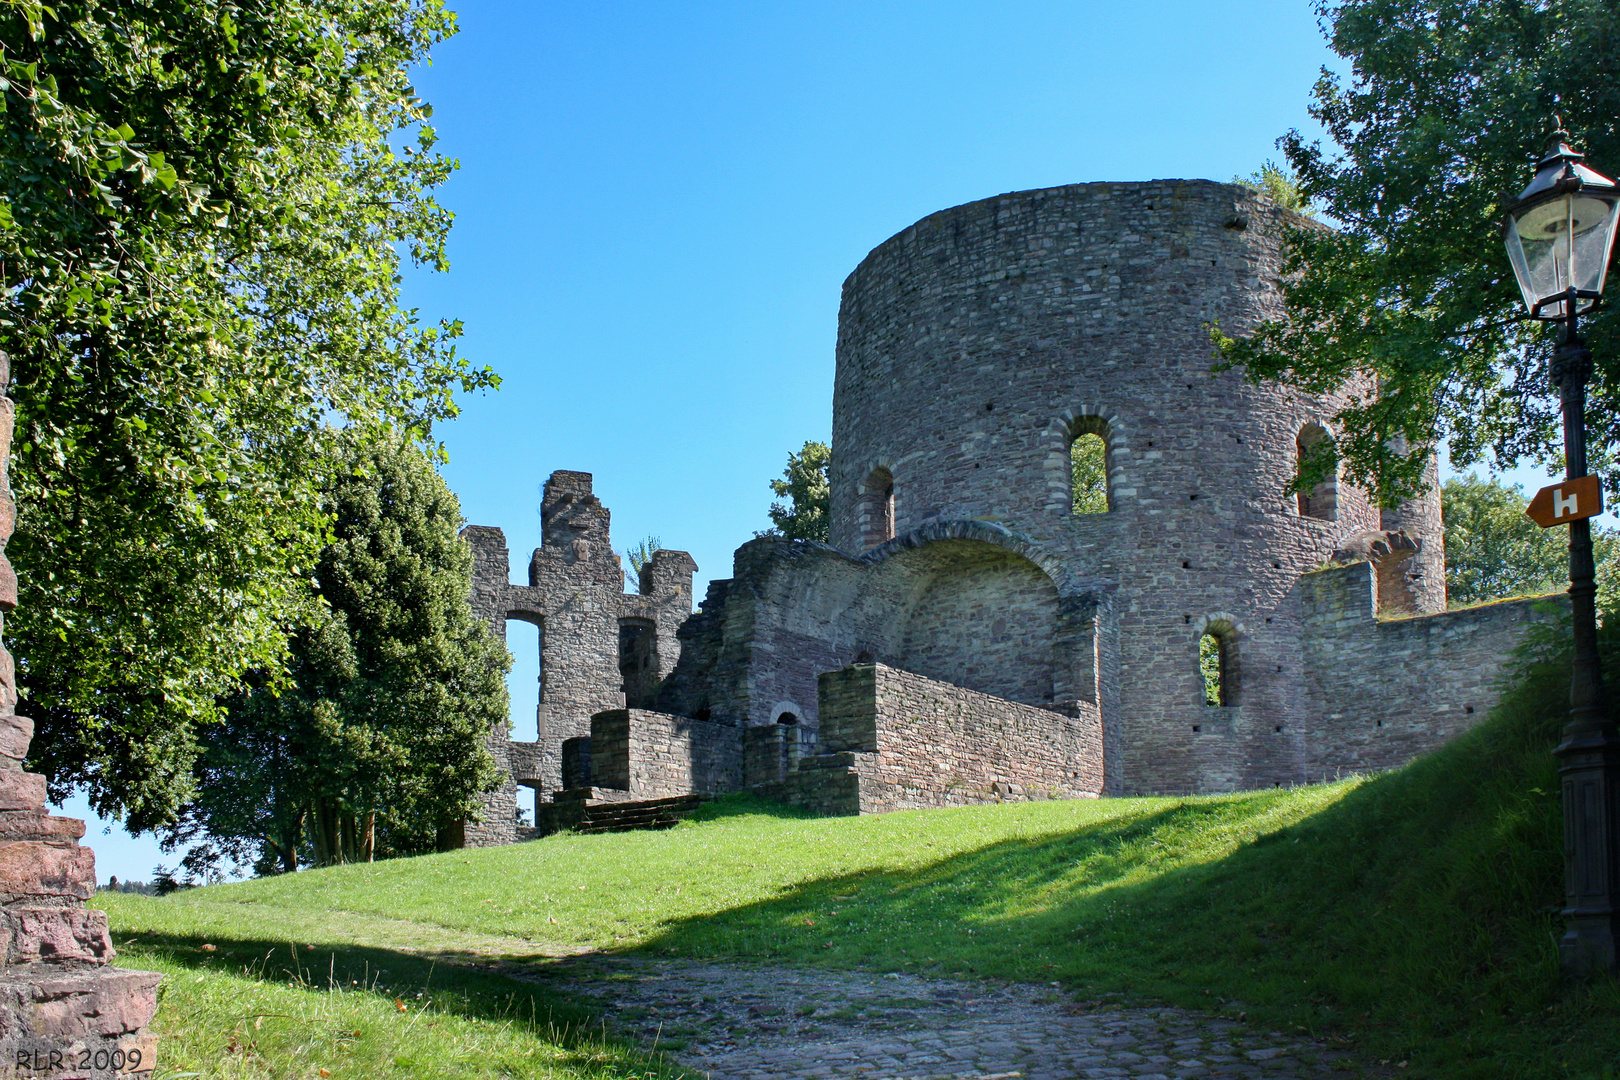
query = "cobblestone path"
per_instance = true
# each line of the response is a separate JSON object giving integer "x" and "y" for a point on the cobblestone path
{"x": 732, "y": 1022}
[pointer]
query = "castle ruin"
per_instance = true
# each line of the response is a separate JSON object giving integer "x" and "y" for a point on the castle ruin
{"x": 967, "y": 636}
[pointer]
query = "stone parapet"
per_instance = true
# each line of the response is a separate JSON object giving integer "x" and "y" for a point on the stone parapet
{"x": 654, "y": 755}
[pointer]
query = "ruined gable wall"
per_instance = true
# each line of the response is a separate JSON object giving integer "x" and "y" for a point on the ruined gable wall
{"x": 576, "y": 596}
{"x": 1385, "y": 691}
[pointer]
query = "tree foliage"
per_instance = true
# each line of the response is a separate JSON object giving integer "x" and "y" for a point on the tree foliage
{"x": 1493, "y": 551}
{"x": 1088, "y": 474}
{"x": 636, "y": 557}
{"x": 203, "y": 206}
{"x": 1280, "y": 184}
{"x": 804, "y": 482}
{"x": 380, "y": 740}
{"x": 1410, "y": 302}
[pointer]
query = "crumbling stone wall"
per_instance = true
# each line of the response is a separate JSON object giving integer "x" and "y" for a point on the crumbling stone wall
{"x": 971, "y": 603}
{"x": 576, "y": 597}
{"x": 894, "y": 740}
{"x": 1386, "y": 690}
{"x": 64, "y": 1011}
{"x": 653, "y": 755}
{"x": 973, "y": 348}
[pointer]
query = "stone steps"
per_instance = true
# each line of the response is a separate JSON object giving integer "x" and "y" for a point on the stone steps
{"x": 645, "y": 814}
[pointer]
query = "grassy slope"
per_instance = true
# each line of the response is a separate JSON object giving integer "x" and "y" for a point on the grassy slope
{"x": 1413, "y": 913}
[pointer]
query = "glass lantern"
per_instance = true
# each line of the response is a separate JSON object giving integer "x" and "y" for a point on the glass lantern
{"x": 1560, "y": 231}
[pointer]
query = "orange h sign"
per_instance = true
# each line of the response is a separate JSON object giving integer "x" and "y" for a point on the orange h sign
{"x": 1559, "y": 504}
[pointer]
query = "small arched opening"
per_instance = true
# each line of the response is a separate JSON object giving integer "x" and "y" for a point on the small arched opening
{"x": 1218, "y": 664}
{"x": 874, "y": 508}
{"x": 1088, "y": 466}
{"x": 1311, "y": 446}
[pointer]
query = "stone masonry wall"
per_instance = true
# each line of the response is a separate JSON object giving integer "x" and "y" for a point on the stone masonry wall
{"x": 1386, "y": 690}
{"x": 654, "y": 755}
{"x": 976, "y": 344}
{"x": 912, "y": 742}
{"x": 576, "y": 597}
{"x": 64, "y": 1011}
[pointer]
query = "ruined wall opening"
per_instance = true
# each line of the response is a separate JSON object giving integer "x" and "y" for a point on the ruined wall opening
{"x": 524, "y": 640}
{"x": 1218, "y": 664}
{"x": 874, "y": 508}
{"x": 1322, "y": 501}
{"x": 638, "y": 662}
{"x": 1088, "y": 466}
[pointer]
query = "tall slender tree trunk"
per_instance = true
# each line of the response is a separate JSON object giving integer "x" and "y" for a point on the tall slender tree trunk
{"x": 368, "y": 837}
{"x": 327, "y": 833}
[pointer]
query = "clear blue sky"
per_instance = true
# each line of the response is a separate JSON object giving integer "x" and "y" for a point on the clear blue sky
{"x": 658, "y": 203}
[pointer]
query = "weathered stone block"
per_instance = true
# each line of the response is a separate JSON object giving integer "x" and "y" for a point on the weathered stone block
{"x": 58, "y": 934}
{"x": 38, "y": 825}
{"x": 21, "y": 790}
{"x": 31, "y": 868}
{"x": 15, "y": 734}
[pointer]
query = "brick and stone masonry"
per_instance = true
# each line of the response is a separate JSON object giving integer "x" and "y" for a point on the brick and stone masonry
{"x": 974, "y": 348}
{"x": 65, "y": 1012}
{"x": 894, "y": 740}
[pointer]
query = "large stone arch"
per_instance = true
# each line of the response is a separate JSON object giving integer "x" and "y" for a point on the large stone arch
{"x": 977, "y": 615}
{"x": 984, "y": 532}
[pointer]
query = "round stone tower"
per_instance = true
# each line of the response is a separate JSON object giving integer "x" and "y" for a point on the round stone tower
{"x": 977, "y": 345}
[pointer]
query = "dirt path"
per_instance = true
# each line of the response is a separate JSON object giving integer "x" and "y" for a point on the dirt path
{"x": 735, "y": 1022}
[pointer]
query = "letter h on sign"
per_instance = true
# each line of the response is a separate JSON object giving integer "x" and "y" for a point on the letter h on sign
{"x": 1559, "y": 504}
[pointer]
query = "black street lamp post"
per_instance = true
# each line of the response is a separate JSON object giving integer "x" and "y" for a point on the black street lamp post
{"x": 1559, "y": 235}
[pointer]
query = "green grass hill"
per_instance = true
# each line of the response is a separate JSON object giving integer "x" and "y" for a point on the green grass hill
{"x": 1412, "y": 915}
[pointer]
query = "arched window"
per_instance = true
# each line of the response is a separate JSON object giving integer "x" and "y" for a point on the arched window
{"x": 1217, "y": 664}
{"x": 1088, "y": 465}
{"x": 874, "y": 509}
{"x": 1322, "y": 501}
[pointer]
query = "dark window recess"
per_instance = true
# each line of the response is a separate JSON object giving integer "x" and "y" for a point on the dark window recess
{"x": 638, "y": 663}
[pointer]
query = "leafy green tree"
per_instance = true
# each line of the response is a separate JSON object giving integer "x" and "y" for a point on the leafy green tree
{"x": 380, "y": 740}
{"x": 1280, "y": 184}
{"x": 1088, "y": 474}
{"x": 804, "y": 481}
{"x": 1494, "y": 551}
{"x": 1410, "y": 302}
{"x": 203, "y": 207}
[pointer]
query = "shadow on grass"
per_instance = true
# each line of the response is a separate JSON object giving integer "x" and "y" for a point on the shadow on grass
{"x": 1415, "y": 914}
{"x": 464, "y": 984}
{"x": 746, "y": 804}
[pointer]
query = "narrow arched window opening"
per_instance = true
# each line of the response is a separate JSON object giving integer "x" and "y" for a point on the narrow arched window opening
{"x": 1217, "y": 666}
{"x": 788, "y": 719}
{"x": 1322, "y": 501}
{"x": 874, "y": 508}
{"x": 1088, "y": 466}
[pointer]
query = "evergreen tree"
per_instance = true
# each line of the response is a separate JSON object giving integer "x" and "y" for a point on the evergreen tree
{"x": 380, "y": 740}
